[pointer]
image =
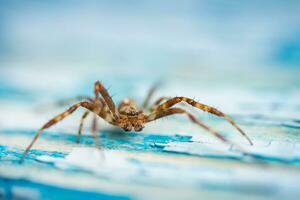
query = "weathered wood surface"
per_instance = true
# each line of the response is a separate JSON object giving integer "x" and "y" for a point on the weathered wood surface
{"x": 171, "y": 158}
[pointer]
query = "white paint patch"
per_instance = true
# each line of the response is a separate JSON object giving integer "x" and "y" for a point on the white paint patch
{"x": 202, "y": 149}
{"x": 101, "y": 162}
{"x": 277, "y": 149}
{"x": 25, "y": 193}
{"x": 126, "y": 167}
{"x": 274, "y": 150}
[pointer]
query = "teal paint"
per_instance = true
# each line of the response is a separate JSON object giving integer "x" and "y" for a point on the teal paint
{"x": 49, "y": 192}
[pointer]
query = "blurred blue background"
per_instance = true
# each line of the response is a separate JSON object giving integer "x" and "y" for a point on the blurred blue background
{"x": 216, "y": 42}
{"x": 141, "y": 34}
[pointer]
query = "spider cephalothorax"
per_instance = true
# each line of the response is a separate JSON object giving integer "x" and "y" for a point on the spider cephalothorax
{"x": 132, "y": 123}
{"x": 129, "y": 117}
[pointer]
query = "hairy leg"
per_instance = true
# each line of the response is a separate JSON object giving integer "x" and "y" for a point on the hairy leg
{"x": 94, "y": 127}
{"x": 84, "y": 116}
{"x": 149, "y": 96}
{"x": 65, "y": 102}
{"x": 56, "y": 119}
{"x": 206, "y": 108}
{"x": 94, "y": 130}
{"x": 158, "y": 102}
{"x": 171, "y": 111}
{"x": 99, "y": 88}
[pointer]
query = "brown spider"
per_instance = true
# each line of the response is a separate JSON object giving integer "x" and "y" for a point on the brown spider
{"x": 129, "y": 117}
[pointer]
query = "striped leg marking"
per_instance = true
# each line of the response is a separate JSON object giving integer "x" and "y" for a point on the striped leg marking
{"x": 99, "y": 88}
{"x": 84, "y": 116}
{"x": 163, "y": 113}
{"x": 57, "y": 119}
{"x": 206, "y": 108}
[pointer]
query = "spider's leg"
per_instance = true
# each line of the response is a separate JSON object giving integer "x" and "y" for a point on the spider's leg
{"x": 206, "y": 108}
{"x": 171, "y": 111}
{"x": 84, "y": 116}
{"x": 65, "y": 102}
{"x": 94, "y": 129}
{"x": 157, "y": 102}
{"x": 56, "y": 119}
{"x": 149, "y": 96}
{"x": 99, "y": 88}
{"x": 94, "y": 126}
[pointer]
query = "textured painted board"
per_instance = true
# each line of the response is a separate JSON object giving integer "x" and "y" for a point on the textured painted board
{"x": 171, "y": 158}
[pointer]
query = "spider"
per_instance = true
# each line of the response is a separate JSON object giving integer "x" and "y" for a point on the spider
{"x": 129, "y": 117}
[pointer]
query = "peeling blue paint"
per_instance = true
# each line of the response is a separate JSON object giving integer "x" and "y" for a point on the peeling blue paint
{"x": 47, "y": 191}
{"x": 110, "y": 139}
{"x": 129, "y": 142}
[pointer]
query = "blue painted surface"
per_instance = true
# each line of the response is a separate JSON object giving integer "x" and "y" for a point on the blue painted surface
{"x": 46, "y": 191}
{"x": 110, "y": 139}
{"x": 115, "y": 140}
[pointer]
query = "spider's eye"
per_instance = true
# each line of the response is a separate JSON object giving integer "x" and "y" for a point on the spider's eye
{"x": 127, "y": 127}
{"x": 138, "y": 128}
